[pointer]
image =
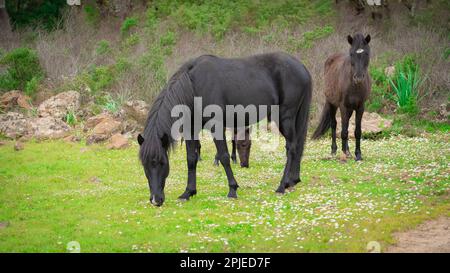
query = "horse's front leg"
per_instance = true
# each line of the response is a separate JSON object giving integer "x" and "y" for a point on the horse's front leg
{"x": 333, "y": 129}
{"x": 346, "y": 114}
{"x": 192, "y": 152}
{"x": 224, "y": 158}
{"x": 358, "y": 132}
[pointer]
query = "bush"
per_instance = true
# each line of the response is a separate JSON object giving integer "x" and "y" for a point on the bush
{"x": 31, "y": 86}
{"x": 92, "y": 14}
{"x": 46, "y": 13}
{"x": 22, "y": 66}
{"x": 406, "y": 83}
{"x": 103, "y": 47}
{"x": 127, "y": 24}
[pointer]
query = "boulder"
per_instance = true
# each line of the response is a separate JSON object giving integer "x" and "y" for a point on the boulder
{"x": 118, "y": 141}
{"x": 137, "y": 110}
{"x": 58, "y": 106}
{"x": 48, "y": 128}
{"x": 72, "y": 138}
{"x": 371, "y": 124}
{"x": 104, "y": 130}
{"x": 13, "y": 125}
{"x": 95, "y": 120}
{"x": 13, "y": 99}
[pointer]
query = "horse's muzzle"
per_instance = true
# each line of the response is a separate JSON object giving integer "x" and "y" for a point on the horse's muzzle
{"x": 156, "y": 200}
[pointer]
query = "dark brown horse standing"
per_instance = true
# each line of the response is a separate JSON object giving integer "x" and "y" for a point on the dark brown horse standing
{"x": 347, "y": 87}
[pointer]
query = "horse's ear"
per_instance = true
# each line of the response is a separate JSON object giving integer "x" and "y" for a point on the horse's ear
{"x": 140, "y": 139}
{"x": 349, "y": 39}
{"x": 368, "y": 38}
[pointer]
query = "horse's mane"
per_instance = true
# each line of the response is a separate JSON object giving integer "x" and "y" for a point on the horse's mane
{"x": 157, "y": 133}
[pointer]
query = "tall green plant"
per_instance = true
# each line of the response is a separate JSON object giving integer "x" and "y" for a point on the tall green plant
{"x": 406, "y": 84}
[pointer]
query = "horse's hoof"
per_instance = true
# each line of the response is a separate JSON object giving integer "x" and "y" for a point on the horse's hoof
{"x": 358, "y": 159}
{"x": 280, "y": 191}
{"x": 232, "y": 195}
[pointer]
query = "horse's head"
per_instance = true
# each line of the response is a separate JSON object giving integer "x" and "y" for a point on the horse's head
{"x": 243, "y": 148}
{"x": 155, "y": 160}
{"x": 359, "y": 56}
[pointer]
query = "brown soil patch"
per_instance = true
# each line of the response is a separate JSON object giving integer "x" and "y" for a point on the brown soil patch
{"x": 429, "y": 237}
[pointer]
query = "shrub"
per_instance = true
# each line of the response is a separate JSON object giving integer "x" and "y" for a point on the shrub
{"x": 46, "y": 13}
{"x": 406, "y": 83}
{"x": 127, "y": 24}
{"x": 99, "y": 78}
{"x": 31, "y": 86}
{"x": 92, "y": 14}
{"x": 380, "y": 87}
{"x": 103, "y": 47}
{"x": 111, "y": 105}
{"x": 22, "y": 65}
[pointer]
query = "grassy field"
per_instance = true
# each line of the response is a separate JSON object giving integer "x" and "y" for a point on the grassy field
{"x": 52, "y": 193}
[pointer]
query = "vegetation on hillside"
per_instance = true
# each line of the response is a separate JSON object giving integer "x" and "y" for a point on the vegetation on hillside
{"x": 108, "y": 58}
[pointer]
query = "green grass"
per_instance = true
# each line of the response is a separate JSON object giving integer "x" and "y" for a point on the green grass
{"x": 49, "y": 197}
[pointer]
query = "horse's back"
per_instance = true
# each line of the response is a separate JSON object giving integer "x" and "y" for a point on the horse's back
{"x": 255, "y": 79}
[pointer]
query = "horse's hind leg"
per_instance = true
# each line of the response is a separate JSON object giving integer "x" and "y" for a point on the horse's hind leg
{"x": 358, "y": 119}
{"x": 224, "y": 158}
{"x": 333, "y": 129}
{"x": 233, "y": 151}
{"x": 346, "y": 114}
{"x": 192, "y": 152}
{"x": 290, "y": 178}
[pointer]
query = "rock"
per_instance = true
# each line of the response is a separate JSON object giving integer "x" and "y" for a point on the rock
{"x": 132, "y": 126}
{"x": 107, "y": 127}
{"x": 19, "y": 146}
{"x": 443, "y": 110}
{"x": 72, "y": 138}
{"x": 15, "y": 98}
{"x": 58, "y": 106}
{"x": 137, "y": 110}
{"x": 104, "y": 130}
{"x": 48, "y": 128}
{"x": 95, "y": 120}
{"x": 91, "y": 139}
{"x": 118, "y": 141}
{"x": 389, "y": 71}
{"x": 13, "y": 125}
{"x": 371, "y": 124}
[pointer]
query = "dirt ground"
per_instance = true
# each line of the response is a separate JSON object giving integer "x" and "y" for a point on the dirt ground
{"x": 430, "y": 237}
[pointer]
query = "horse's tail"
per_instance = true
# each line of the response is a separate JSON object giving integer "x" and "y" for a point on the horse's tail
{"x": 302, "y": 118}
{"x": 325, "y": 122}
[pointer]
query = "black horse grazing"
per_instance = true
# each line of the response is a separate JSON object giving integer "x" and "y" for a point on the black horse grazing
{"x": 347, "y": 87}
{"x": 261, "y": 80}
{"x": 242, "y": 145}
